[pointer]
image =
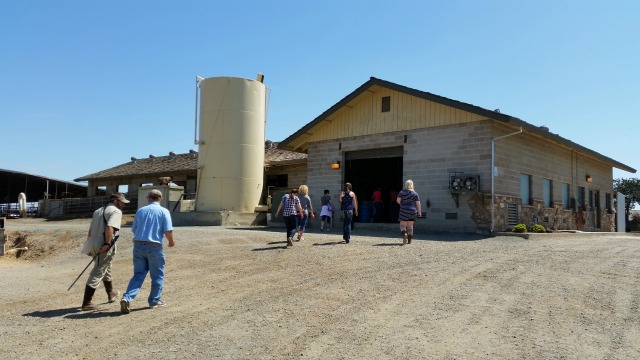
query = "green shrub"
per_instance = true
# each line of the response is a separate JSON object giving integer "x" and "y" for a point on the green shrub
{"x": 520, "y": 228}
{"x": 537, "y": 228}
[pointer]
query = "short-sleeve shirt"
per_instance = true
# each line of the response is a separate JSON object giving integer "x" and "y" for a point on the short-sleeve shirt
{"x": 305, "y": 203}
{"x": 151, "y": 222}
{"x": 289, "y": 205}
{"x": 113, "y": 216}
{"x": 325, "y": 200}
{"x": 408, "y": 210}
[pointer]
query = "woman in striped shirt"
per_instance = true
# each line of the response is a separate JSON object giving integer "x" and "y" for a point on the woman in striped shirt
{"x": 409, "y": 202}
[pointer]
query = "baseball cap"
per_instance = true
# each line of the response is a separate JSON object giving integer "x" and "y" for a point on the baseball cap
{"x": 119, "y": 196}
{"x": 155, "y": 193}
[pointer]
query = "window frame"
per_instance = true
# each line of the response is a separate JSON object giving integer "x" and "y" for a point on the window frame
{"x": 547, "y": 192}
{"x": 526, "y": 187}
{"x": 386, "y": 104}
{"x": 566, "y": 196}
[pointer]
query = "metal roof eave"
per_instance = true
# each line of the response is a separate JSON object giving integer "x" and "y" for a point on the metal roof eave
{"x": 149, "y": 174}
{"x": 42, "y": 177}
{"x": 285, "y": 163}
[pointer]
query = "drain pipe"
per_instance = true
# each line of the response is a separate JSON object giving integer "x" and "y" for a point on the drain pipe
{"x": 195, "y": 128}
{"x": 493, "y": 174}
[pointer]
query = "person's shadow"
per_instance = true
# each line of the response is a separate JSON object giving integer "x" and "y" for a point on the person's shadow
{"x": 272, "y": 247}
{"x": 76, "y": 313}
{"x": 329, "y": 243}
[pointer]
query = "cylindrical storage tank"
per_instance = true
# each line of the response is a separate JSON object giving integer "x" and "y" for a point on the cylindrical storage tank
{"x": 231, "y": 145}
{"x": 366, "y": 212}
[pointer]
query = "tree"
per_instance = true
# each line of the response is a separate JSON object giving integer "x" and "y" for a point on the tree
{"x": 630, "y": 188}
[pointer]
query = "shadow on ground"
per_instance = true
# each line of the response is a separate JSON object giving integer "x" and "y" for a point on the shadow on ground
{"x": 385, "y": 233}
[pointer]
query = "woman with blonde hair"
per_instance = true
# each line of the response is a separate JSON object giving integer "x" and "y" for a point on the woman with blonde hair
{"x": 307, "y": 210}
{"x": 410, "y": 207}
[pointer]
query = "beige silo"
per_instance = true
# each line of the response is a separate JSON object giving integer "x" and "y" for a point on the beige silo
{"x": 231, "y": 144}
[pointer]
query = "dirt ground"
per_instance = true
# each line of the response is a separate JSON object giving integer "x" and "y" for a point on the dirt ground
{"x": 237, "y": 293}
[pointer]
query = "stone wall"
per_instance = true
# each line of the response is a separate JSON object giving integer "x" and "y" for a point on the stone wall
{"x": 554, "y": 218}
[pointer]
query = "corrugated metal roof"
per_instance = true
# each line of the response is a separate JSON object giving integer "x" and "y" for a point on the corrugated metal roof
{"x": 14, "y": 172}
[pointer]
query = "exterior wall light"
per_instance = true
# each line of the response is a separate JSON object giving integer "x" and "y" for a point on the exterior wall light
{"x": 589, "y": 178}
{"x": 335, "y": 165}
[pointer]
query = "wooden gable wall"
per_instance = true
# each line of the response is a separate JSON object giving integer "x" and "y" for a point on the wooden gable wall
{"x": 363, "y": 116}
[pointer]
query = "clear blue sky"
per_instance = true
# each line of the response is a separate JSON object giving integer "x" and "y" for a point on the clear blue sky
{"x": 85, "y": 85}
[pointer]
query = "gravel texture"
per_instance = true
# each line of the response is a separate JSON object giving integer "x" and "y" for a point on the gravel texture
{"x": 238, "y": 293}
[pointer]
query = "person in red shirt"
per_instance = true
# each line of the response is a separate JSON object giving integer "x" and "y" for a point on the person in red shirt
{"x": 377, "y": 205}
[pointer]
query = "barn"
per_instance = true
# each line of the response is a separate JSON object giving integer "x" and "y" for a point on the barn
{"x": 383, "y": 133}
{"x": 34, "y": 188}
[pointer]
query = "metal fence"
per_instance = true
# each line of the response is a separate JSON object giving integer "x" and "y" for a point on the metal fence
{"x": 78, "y": 207}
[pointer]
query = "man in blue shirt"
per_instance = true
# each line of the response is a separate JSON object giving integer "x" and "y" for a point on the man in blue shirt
{"x": 150, "y": 225}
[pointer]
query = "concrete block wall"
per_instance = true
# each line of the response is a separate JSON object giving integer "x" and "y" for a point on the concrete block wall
{"x": 321, "y": 176}
{"x": 430, "y": 156}
{"x": 540, "y": 158}
{"x": 295, "y": 176}
{"x": 528, "y": 154}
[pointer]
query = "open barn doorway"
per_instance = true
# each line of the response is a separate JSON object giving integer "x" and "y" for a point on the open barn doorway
{"x": 368, "y": 170}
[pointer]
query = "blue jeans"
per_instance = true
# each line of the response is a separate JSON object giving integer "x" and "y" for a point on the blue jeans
{"x": 146, "y": 259}
{"x": 346, "y": 225}
{"x": 302, "y": 221}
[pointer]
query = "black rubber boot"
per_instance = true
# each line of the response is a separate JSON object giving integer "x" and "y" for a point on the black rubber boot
{"x": 88, "y": 295}
{"x": 112, "y": 295}
{"x": 409, "y": 239}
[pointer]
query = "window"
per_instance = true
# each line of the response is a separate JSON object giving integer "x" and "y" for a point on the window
{"x": 566, "y": 190}
{"x": 280, "y": 180}
{"x": 547, "y": 192}
{"x": 580, "y": 199}
{"x": 525, "y": 189}
{"x": 607, "y": 202}
{"x": 101, "y": 190}
{"x": 386, "y": 104}
{"x": 590, "y": 199}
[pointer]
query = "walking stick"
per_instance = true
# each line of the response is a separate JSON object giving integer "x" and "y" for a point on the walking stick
{"x": 85, "y": 269}
{"x": 91, "y": 262}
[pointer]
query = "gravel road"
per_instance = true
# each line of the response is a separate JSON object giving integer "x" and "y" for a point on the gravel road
{"x": 238, "y": 293}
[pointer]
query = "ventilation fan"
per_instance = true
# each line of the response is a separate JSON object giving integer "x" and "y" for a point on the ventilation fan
{"x": 471, "y": 183}
{"x": 456, "y": 183}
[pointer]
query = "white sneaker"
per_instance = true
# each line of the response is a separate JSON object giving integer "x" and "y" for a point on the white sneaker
{"x": 160, "y": 303}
